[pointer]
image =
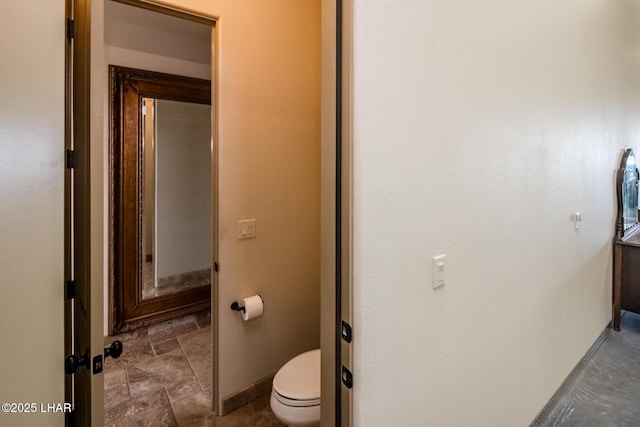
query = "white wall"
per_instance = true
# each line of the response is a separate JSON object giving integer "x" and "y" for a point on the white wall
{"x": 479, "y": 129}
{"x": 32, "y": 208}
{"x": 183, "y": 147}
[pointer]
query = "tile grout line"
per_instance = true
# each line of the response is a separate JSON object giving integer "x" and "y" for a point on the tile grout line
{"x": 186, "y": 356}
{"x": 173, "y": 411}
{"x": 171, "y": 401}
{"x": 147, "y": 340}
{"x": 126, "y": 374}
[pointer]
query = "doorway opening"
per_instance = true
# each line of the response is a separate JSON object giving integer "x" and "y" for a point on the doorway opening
{"x": 271, "y": 100}
{"x": 270, "y": 112}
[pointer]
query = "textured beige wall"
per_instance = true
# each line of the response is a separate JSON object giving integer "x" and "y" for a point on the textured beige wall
{"x": 32, "y": 208}
{"x": 480, "y": 128}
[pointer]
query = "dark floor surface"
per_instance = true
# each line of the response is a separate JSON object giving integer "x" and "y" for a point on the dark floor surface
{"x": 604, "y": 389}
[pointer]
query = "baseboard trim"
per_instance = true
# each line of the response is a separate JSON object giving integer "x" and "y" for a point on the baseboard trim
{"x": 246, "y": 395}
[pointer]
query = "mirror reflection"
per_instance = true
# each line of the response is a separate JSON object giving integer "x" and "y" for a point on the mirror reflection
{"x": 630, "y": 192}
{"x": 176, "y": 196}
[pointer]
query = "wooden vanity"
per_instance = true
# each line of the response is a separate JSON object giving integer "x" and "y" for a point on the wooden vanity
{"x": 626, "y": 252}
{"x": 626, "y": 276}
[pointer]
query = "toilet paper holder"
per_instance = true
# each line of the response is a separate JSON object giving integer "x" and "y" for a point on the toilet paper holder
{"x": 252, "y": 307}
{"x": 236, "y": 307}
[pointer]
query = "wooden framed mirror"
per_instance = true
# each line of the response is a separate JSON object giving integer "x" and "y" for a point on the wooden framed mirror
{"x": 160, "y": 197}
{"x": 627, "y": 179}
{"x": 626, "y": 245}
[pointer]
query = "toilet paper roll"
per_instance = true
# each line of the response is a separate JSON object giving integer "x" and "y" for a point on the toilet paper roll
{"x": 253, "y": 307}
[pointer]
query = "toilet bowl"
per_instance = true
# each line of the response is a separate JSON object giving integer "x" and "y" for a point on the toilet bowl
{"x": 295, "y": 396}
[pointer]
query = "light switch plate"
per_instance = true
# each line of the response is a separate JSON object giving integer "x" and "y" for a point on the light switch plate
{"x": 438, "y": 271}
{"x": 247, "y": 229}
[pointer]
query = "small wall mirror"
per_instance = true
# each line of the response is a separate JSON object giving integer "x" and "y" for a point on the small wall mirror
{"x": 161, "y": 196}
{"x": 627, "y": 194}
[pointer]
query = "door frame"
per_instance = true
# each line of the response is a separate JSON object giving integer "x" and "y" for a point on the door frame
{"x": 343, "y": 212}
{"x": 344, "y": 193}
{"x": 83, "y": 214}
{"x": 337, "y": 212}
{"x": 337, "y": 193}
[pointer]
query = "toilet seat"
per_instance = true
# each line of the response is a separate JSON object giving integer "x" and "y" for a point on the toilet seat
{"x": 295, "y": 402}
{"x": 297, "y": 383}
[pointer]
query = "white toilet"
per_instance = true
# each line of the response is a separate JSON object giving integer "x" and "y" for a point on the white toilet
{"x": 295, "y": 396}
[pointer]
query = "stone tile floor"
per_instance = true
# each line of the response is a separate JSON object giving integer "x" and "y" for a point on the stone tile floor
{"x": 605, "y": 389}
{"x": 163, "y": 378}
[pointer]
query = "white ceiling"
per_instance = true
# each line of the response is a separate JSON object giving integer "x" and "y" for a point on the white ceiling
{"x": 143, "y": 30}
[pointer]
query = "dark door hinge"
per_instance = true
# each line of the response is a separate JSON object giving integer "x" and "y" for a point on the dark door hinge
{"x": 215, "y": 267}
{"x": 71, "y": 28}
{"x": 347, "y": 332}
{"x": 347, "y": 377}
{"x": 70, "y": 289}
{"x": 71, "y": 159}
